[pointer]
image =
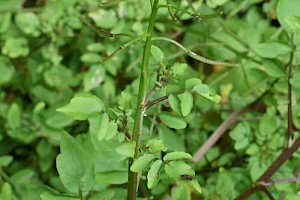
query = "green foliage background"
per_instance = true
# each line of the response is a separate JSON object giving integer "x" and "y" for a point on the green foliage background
{"x": 48, "y": 56}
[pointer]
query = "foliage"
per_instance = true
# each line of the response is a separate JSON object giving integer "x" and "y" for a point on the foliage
{"x": 79, "y": 118}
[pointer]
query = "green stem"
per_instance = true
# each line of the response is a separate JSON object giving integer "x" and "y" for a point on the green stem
{"x": 196, "y": 56}
{"x": 132, "y": 177}
{"x": 124, "y": 46}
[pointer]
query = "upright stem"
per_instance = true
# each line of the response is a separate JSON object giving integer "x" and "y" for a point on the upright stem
{"x": 290, "y": 113}
{"x": 132, "y": 177}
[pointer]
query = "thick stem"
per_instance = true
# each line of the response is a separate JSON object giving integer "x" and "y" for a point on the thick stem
{"x": 132, "y": 177}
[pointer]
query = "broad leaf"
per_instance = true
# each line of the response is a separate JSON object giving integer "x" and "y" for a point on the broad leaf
{"x": 141, "y": 163}
{"x": 172, "y": 121}
{"x": 82, "y": 107}
{"x": 74, "y": 166}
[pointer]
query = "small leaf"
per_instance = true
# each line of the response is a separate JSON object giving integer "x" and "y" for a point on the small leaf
{"x": 172, "y": 121}
{"x": 15, "y": 47}
{"x": 153, "y": 174}
{"x": 14, "y": 116}
{"x": 111, "y": 131}
{"x": 175, "y": 104}
{"x": 186, "y": 103}
{"x": 141, "y": 163}
{"x": 156, "y": 145}
{"x": 204, "y": 91}
{"x": 271, "y": 50}
{"x": 6, "y": 192}
{"x": 190, "y": 83}
{"x": 176, "y": 168}
{"x": 7, "y": 68}
{"x": 195, "y": 184}
{"x": 126, "y": 149}
{"x": 177, "y": 156}
{"x": 157, "y": 54}
{"x": 179, "y": 69}
{"x": 82, "y": 107}
{"x": 103, "y": 126}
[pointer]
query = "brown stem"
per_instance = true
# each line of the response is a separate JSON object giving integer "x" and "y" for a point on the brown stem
{"x": 217, "y": 134}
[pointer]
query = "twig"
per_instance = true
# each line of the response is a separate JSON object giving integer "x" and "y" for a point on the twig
{"x": 281, "y": 159}
{"x": 217, "y": 134}
{"x": 267, "y": 192}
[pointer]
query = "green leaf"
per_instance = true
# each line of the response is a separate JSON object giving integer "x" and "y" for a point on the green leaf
{"x": 90, "y": 58}
{"x": 295, "y": 80}
{"x": 6, "y": 68}
{"x": 94, "y": 77}
{"x": 112, "y": 177}
{"x": 156, "y": 145}
{"x": 111, "y": 131}
{"x": 5, "y": 160}
{"x": 172, "y": 121}
{"x": 176, "y": 168}
{"x": 225, "y": 185}
{"x": 126, "y": 149}
{"x": 51, "y": 196}
{"x": 186, "y": 103}
{"x": 74, "y": 166}
{"x": 195, "y": 184}
{"x": 103, "y": 126}
{"x": 82, "y": 107}
{"x": 177, "y": 156}
{"x": 287, "y": 8}
{"x": 175, "y": 104}
{"x": 205, "y": 91}
{"x": 173, "y": 140}
{"x": 181, "y": 192}
{"x": 14, "y": 116}
{"x": 15, "y": 47}
{"x": 157, "y": 54}
{"x": 141, "y": 163}
{"x": 6, "y": 192}
{"x": 274, "y": 68}
{"x": 179, "y": 69}
{"x": 28, "y": 22}
{"x": 107, "y": 194}
{"x": 190, "y": 83}
{"x": 153, "y": 174}
{"x": 271, "y": 49}
{"x": 11, "y": 5}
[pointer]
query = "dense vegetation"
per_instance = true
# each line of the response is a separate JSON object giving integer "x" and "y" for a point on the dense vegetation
{"x": 181, "y": 99}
